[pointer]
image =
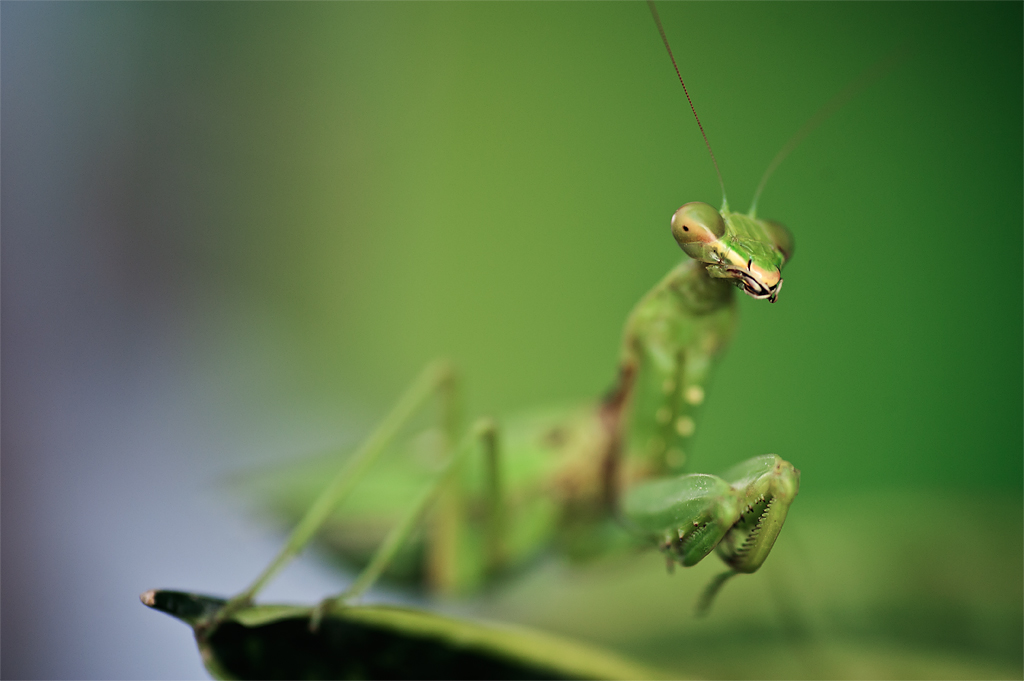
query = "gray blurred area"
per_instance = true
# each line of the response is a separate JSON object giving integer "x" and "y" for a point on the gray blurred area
{"x": 115, "y": 444}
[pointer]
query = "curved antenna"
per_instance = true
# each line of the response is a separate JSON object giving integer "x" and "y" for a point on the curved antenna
{"x": 657, "y": 20}
{"x": 872, "y": 74}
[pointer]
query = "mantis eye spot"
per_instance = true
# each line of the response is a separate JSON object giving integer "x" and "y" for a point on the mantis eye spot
{"x": 697, "y": 222}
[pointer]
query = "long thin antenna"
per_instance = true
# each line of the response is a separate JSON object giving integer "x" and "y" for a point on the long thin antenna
{"x": 873, "y": 73}
{"x": 657, "y": 20}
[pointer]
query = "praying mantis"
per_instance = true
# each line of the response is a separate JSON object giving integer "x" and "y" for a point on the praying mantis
{"x": 467, "y": 507}
{"x": 583, "y": 480}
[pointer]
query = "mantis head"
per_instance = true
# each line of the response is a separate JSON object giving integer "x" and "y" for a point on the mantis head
{"x": 748, "y": 251}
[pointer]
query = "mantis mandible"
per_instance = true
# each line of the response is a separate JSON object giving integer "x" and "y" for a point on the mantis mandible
{"x": 608, "y": 473}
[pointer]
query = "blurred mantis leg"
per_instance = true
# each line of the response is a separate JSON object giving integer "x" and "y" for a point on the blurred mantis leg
{"x": 386, "y": 552}
{"x": 711, "y": 590}
{"x": 445, "y": 529}
{"x": 447, "y": 567}
{"x": 400, "y": 532}
{"x": 494, "y": 519}
{"x": 437, "y": 378}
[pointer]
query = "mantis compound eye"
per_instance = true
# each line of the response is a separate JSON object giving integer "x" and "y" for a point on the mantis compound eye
{"x": 697, "y": 223}
{"x": 781, "y": 237}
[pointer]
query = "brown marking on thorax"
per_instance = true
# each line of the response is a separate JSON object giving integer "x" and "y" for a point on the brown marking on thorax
{"x": 611, "y": 412}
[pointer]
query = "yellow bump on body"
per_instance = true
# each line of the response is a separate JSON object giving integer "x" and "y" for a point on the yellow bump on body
{"x": 663, "y": 415}
{"x": 668, "y": 386}
{"x": 675, "y": 457}
{"x": 685, "y": 426}
{"x": 695, "y": 395}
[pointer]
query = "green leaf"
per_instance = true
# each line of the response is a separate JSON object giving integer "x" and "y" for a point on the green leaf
{"x": 372, "y": 642}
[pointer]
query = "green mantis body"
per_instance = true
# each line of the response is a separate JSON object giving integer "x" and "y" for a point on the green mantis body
{"x": 607, "y": 473}
{"x": 487, "y": 501}
{"x": 585, "y": 479}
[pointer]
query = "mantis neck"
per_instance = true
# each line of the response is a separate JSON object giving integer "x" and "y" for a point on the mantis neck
{"x": 694, "y": 290}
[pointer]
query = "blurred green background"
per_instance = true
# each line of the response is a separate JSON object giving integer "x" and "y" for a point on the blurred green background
{"x": 316, "y": 199}
{"x": 493, "y": 183}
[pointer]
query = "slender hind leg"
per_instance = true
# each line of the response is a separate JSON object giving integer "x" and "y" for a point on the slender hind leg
{"x": 438, "y": 378}
{"x": 450, "y": 525}
{"x": 439, "y": 486}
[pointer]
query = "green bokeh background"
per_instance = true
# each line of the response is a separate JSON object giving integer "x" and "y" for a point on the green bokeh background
{"x": 493, "y": 182}
{"x": 340, "y": 192}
